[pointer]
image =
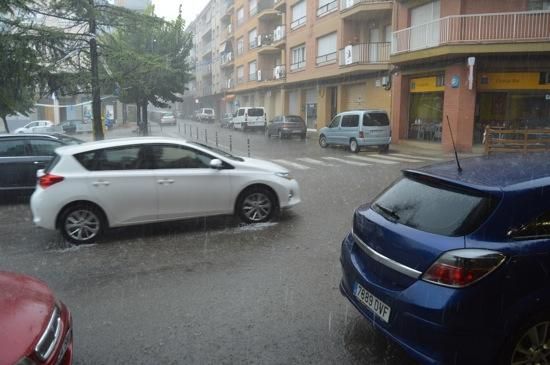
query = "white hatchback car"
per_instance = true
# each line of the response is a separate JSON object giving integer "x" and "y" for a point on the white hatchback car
{"x": 121, "y": 182}
{"x": 38, "y": 126}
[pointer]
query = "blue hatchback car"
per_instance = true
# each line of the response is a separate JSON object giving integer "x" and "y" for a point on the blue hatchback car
{"x": 455, "y": 266}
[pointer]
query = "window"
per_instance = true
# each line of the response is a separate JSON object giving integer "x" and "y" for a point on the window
{"x": 240, "y": 74}
{"x": 335, "y": 122}
{"x": 178, "y": 157}
{"x": 434, "y": 208}
{"x": 350, "y": 121}
{"x": 240, "y": 113}
{"x": 252, "y": 39}
{"x": 240, "y": 16}
{"x": 538, "y": 228}
{"x": 538, "y": 5}
{"x": 240, "y": 46}
{"x": 298, "y": 15}
{"x": 326, "y": 49}
{"x": 252, "y": 71}
{"x": 12, "y": 148}
{"x": 298, "y": 55}
{"x": 255, "y": 112}
{"x": 326, "y": 6}
{"x": 117, "y": 158}
{"x": 252, "y": 7}
{"x": 41, "y": 147}
{"x": 375, "y": 120}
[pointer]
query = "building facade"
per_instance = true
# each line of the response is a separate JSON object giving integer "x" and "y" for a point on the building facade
{"x": 430, "y": 63}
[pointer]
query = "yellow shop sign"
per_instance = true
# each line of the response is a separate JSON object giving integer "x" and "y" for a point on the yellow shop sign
{"x": 510, "y": 81}
{"x": 425, "y": 84}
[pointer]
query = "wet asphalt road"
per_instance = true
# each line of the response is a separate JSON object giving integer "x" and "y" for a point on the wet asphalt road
{"x": 211, "y": 291}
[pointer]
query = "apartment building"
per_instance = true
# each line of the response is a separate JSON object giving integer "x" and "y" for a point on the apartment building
{"x": 313, "y": 58}
{"x": 474, "y": 62}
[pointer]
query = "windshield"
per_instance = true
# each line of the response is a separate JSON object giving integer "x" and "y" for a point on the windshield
{"x": 434, "y": 208}
{"x": 219, "y": 152}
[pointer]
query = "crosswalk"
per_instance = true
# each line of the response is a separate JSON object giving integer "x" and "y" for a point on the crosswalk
{"x": 306, "y": 163}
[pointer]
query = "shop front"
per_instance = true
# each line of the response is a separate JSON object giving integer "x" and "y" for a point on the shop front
{"x": 512, "y": 100}
{"x": 426, "y": 96}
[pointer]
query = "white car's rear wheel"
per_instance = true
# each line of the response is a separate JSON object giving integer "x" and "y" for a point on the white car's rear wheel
{"x": 81, "y": 223}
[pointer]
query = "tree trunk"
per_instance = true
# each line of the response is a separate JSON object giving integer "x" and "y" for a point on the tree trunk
{"x": 6, "y": 124}
{"x": 144, "y": 120}
{"x": 96, "y": 92}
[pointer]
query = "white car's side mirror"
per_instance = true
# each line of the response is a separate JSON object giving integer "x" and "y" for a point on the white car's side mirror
{"x": 216, "y": 164}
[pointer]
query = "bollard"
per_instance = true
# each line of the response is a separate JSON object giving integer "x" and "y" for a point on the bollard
{"x": 205, "y": 136}
{"x": 185, "y": 129}
{"x": 230, "y": 144}
{"x": 248, "y": 144}
{"x": 179, "y": 128}
{"x": 197, "y": 133}
{"x": 216, "y": 138}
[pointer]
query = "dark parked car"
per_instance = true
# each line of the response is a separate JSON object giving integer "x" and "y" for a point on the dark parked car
{"x": 454, "y": 266}
{"x": 285, "y": 126}
{"x": 36, "y": 328}
{"x": 69, "y": 126}
{"x": 21, "y": 155}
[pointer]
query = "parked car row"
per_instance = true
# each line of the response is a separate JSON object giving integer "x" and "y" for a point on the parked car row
{"x": 205, "y": 115}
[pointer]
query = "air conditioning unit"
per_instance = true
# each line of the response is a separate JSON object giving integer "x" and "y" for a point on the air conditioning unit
{"x": 385, "y": 81}
{"x": 259, "y": 75}
{"x": 259, "y": 41}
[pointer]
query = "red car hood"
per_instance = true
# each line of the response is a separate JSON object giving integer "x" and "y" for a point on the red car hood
{"x": 26, "y": 305}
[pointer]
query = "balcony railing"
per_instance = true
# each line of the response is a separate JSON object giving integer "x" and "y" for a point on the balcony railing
{"x": 252, "y": 76}
{"x": 327, "y": 8}
{"x": 279, "y": 34}
{"x": 297, "y": 65}
{"x": 226, "y": 58}
{"x": 346, "y": 4}
{"x": 477, "y": 28}
{"x": 298, "y": 23}
{"x": 279, "y": 72}
{"x": 265, "y": 40}
{"x": 365, "y": 53}
{"x": 326, "y": 59}
{"x": 228, "y": 84}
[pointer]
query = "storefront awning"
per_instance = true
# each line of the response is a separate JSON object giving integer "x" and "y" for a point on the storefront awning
{"x": 229, "y": 97}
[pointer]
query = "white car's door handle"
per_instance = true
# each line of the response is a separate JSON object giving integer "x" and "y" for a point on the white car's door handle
{"x": 170, "y": 181}
{"x": 165, "y": 181}
{"x": 100, "y": 182}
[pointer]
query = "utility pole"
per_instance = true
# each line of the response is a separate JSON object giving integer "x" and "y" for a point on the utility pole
{"x": 96, "y": 92}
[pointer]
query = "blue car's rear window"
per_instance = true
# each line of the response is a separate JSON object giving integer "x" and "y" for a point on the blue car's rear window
{"x": 434, "y": 208}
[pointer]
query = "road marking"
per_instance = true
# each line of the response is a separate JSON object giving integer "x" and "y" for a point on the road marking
{"x": 346, "y": 162}
{"x": 372, "y": 159}
{"x": 314, "y": 162}
{"x": 420, "y": 157}
{"x": 400, "y": 159}
{"x": 292, "y": 164}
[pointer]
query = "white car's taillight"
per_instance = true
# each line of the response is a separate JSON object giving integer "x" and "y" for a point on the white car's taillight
{"x": 460, "y": 268}
{"x": 48, "y": 180}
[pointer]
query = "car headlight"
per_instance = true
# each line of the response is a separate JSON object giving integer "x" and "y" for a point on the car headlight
{"x": 284, "y": 175}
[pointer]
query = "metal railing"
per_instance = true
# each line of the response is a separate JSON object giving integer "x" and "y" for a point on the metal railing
{"x": 252, "y": 76}
{"x": 226, "y": 58}
{"x": 279, "y": 72}
{"x": 297, "y": 65}
{"x": 327, "y": 8}
{"x": 279, "y": 33}
{"x": 266, "y": 39}
{"x": 326, "y": 59}
{"x": 298, "y": 23}
{"x": 365, "y": 53}
{"x": 346, "y": 4}
{"x": 475, "y": 28}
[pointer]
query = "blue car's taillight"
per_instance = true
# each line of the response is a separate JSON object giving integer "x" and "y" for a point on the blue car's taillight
{"x": 460, "y": 268}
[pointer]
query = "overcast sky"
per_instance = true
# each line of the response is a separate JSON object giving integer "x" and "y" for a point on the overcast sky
{"x": 169, "y": 8}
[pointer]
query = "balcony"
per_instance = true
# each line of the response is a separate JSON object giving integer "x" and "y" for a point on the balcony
{"x": 352, "y": 7}
{"x": 226, "y": 59}
{"x": 267, "y": 11}
{"x": 365, "y": 54}
{"x": 227, "y": 32}
{"x": 265, "y": 41}
{"x": 298, "y": 23}
{"x": 279, "y": 72}
{"x": 228, "y": 84}
{"x": 528, "y": 26}
{"x": 279, "y": 5}
{"x": 327, "y": 8}
{"x": 326, "y": 59}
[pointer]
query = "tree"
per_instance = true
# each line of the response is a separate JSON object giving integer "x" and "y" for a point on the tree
{"x": 150, "y": 63}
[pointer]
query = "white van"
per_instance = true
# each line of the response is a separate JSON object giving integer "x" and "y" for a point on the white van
{"x": 249, "y": 118}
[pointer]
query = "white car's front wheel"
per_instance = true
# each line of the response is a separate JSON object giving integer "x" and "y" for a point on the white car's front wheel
{"x": 256, "y": 205}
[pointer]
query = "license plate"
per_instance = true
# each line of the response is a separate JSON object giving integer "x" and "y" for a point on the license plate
{"x": 377, "y": 306}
